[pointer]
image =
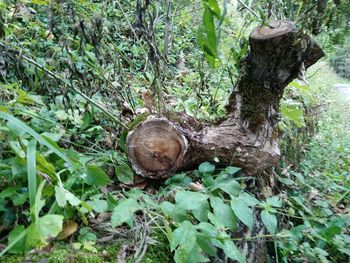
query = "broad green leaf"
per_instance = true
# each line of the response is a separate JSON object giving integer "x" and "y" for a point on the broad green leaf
{"x": 201, "y": 213}
{"x": 124, "y": 173}
{"x": 13, "y": 242}
{"x": 206, "y": 168}
{"x": 248, "y": 199}
{"x": 205, "y": 244}
{"x": 269, "y": 220}
{"x": 19, "y": 247}
{"x": 31, "y": 170}
{"x": 124, "y": 212}
{"x": 208, "y": 229}
{"x": 274, "y": 201}
{"x": 21, "y": 125}
{"x": 232, "y": 251}
{"x": 223, "y": 212}
{"x": 178, "y": 214}
{"x": 99, "y": 206}
{"x": 293, "y": 113}
{"x": 63, "y": 195}
{"x": 231, "y": 170}
{"x": 96, "y": 176}
{"x": 190, "y": 200}
{"x": 243, "y": 212}
{"x": 44, "y": 228}
{"x": 230, "y": 186}
{"x": 184, "y": 236}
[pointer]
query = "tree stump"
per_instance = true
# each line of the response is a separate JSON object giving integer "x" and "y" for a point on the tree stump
{"x": 248, "y": 137}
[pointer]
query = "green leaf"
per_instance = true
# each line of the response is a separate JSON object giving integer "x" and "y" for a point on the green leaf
{"x": 205, "y": 244}
{"x": 201, "y": 213}
{"x": 243, "y": 212}
{"x": 96, "y": 176}
{"x": 13, "y": 242}
{"x": 230, "y": 186}
{"x": 248, "y": 199}
{"x": 40, "y": 2}
{"x": 274, "y": 201}
{"x": 124, "y": 212}
{"x": 178, "y": 214}
{"x": 293, "y": 113}
{"x": 63, "y": 195}
{"x": 214, "y": 7}
{"x": 31, "y": 170}
{"x": 184, "y": 236}
{"x": 124, "y": 173}
{"x": 232, "y": 251}
{"x": 99, "y": 206}
{"x": 206, "y": 168}
{"x": 19, "y": 247}
{"x": 223, "y": 212}
{"x": 22, "y": 126}
{"x": 44, "y": 228}
{"x": 190, "y": 200}
{"x": 270, "y": 221}
{"x": 231, "y": 170}
{"x": 38, "y": 205}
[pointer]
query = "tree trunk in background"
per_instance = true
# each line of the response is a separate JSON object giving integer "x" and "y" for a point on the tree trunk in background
{"x": 248, "y": 137}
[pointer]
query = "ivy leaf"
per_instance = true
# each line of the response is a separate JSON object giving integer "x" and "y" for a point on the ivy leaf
{"x": 223, "y": 212}
{"x": 184, "y": 236}
{"x": 124, "y": 212}
{"x": 243, "y": 212}
{"x": 206, "y": 168}
{"x": 124, "y": 173}
{"x": 96, "y": 176}
{"x": 269, "y": 220}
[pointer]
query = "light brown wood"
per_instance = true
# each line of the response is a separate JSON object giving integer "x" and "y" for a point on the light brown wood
{"x": 156, "y": 148}
{"x": 274, "y": 29}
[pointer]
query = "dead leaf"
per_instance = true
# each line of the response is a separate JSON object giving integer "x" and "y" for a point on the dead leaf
{"x": 69, "y": 228}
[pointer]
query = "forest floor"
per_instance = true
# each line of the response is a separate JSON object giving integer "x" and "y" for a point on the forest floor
{"x": 318, "y": 190}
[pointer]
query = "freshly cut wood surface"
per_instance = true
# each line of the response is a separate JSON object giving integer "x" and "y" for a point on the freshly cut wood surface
{"x": 274, "y": 29}
{"x": 156, "y": 148}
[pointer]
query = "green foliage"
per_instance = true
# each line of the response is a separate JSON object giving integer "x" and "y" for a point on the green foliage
{"x": 66, "y": 67}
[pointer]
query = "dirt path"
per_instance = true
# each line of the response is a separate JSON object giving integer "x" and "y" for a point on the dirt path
{"x": 344, "y": 90}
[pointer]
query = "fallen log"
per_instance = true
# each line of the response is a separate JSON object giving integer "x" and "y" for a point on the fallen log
{"x": 248, "y": 136}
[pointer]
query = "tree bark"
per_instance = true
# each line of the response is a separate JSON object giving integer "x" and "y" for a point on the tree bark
{"x": 248, "y": 137}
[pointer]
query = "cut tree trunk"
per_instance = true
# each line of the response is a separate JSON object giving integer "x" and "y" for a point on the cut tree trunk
{"x": 248, "y": 137}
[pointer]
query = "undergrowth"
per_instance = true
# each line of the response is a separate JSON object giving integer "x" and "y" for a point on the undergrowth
{"x": 73, "y": 76}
